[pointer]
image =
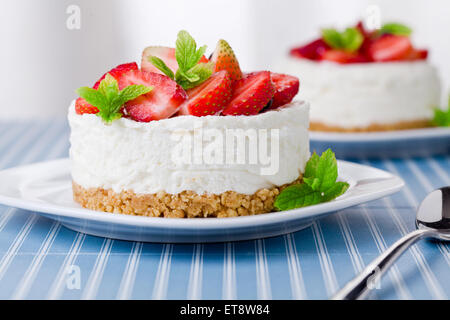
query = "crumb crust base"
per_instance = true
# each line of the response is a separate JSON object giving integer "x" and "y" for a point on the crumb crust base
{"x": 186, "y": 204}
{"x": 404, "y": 125}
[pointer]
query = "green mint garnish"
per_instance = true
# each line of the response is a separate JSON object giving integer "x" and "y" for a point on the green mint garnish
{"x": 395, "y": 29}
{"x": 157, "y": 62}
{"x": 349, "y": 40}
{"x": 109, "y": 99}
{"x": 319, "y": 184}
{"x": 442, "y": 117}
{"x": 190, "y": 72}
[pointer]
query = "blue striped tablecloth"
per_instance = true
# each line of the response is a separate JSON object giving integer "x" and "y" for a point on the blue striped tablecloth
{"x": 38, "y": 256}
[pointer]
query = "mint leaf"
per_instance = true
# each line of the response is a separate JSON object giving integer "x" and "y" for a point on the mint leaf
{"x": 321, "y": 173}
{"x": 442, "y": 117}
{"x": 311, "y": 166}
{"x": 395, "y": 29}
{"x": 297, "y": 196}
{"x": 109, "y": 87}
{"x": 185, "y": 50}
{"x": 109, "y": 99}
{"x": 349, "y": 40}
{"x": 319, "y": 184}
{"x": 190, "y": 73}
{"x": 332, "y": 37}
{"x": 195, "y": 76}
{"x": 352, "y": 39}
{"x": 92, "y": 96}
{"x": 161, "y": 65}
{"x": 131, "y": 93}
{"x": 335, "y": 191}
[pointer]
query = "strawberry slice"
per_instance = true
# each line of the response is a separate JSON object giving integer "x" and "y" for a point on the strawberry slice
{"x": 225, "y": 59}
{"x": 118, "y": 71}
{"x": 166, "y": 54}
{"x": 160, "y": 103}
{"x": 82, "y": 107}
{"x": 286, "y": 87}
{"x": 389, "y": 48}
{"x": 341, "y": 56}
{"x": 310, "y": 51}
{"x": 210, "y": 97}
{"x": 415, "y": 54}
{"x": 251, "y": 94}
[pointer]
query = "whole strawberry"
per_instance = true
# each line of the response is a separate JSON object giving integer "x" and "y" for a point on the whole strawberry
{"x": 225, "y": 59}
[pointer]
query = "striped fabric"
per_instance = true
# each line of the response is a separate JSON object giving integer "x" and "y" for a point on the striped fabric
{"x": 38, "y": 257}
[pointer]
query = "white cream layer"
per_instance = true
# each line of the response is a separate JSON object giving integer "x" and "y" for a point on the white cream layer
{"x": 129, "y": 155}
{"x": 357, "y": 95}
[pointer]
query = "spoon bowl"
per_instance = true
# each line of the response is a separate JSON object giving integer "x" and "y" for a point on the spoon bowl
{"x": 432, "y": 221}
{"x": 434, "y": 213}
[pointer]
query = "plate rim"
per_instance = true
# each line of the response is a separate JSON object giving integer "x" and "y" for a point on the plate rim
{"x": 57, "y": 211}
{"x": 384, "y": 136}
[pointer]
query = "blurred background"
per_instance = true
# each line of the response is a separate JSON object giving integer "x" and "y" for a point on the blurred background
{"x": 52, "y": 47}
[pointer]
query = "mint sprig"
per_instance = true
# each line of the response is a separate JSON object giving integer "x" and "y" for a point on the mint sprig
{"x": 397, "y": 29}
{"x": 442, "y": 117}
{"x": 190, "y": 72}
{"x": 349, "y": 40}
{"x": 109, "y": 99}
{"x": 319, "y": 184}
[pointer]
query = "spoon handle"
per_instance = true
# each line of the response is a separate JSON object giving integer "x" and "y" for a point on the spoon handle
{"x": 369, "y": 277}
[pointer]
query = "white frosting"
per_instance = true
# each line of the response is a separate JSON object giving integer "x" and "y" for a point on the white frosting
{"x": 129, "y": 155}
{"x": 357, "y": 95}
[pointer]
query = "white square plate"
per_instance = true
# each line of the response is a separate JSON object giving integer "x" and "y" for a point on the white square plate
{"x": 46, "y": 188}
{"x": 399, "y": 143}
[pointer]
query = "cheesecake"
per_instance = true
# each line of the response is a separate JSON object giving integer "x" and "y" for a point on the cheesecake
{"x": 187, "y": 137}
{"x": 377, "y": 81}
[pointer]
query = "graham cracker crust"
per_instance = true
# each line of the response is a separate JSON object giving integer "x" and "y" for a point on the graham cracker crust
{"x": 186, "y": 204}
{"x": 404, "y": 125}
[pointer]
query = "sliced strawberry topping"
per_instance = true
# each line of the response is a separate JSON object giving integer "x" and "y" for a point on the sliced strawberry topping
{"x": 225, "y": 59}
{"x": 210, "y": 97}
{"x": 160, "y": 103}
{"x": 310, "y": 51}
{"x": 251, "y": 94}
{"x": 166, "y": 54}
{"x": 82, "y": 107}
{"x": 417, "y": 54}
{"x": 389, "y": 47}
{"x": 341, "y": 56}
{"x": 118, "y": 71}
{"x": 286, "y": 87}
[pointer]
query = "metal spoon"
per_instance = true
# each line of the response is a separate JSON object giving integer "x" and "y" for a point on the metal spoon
{"x": 432, "y": 221}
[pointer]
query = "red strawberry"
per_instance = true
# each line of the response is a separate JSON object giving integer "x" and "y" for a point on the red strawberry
{"x": 362, "y": 29}
{"x": 286, "y": 87}
{"x": 389, "y": 48}
{"x": 341, "y": 56}
{"x": 416, "y": 54}
{"x": 310, "y": 51}
{"x": 82, "y": 107}
{"x": 118, "y": 71}
{"x": 165, "y": 54}
{"x": 224, "y": 59}
{"x": 251, "y": 94}
{"x": 210, "y": 97}
{"x": 160, "y": 103}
